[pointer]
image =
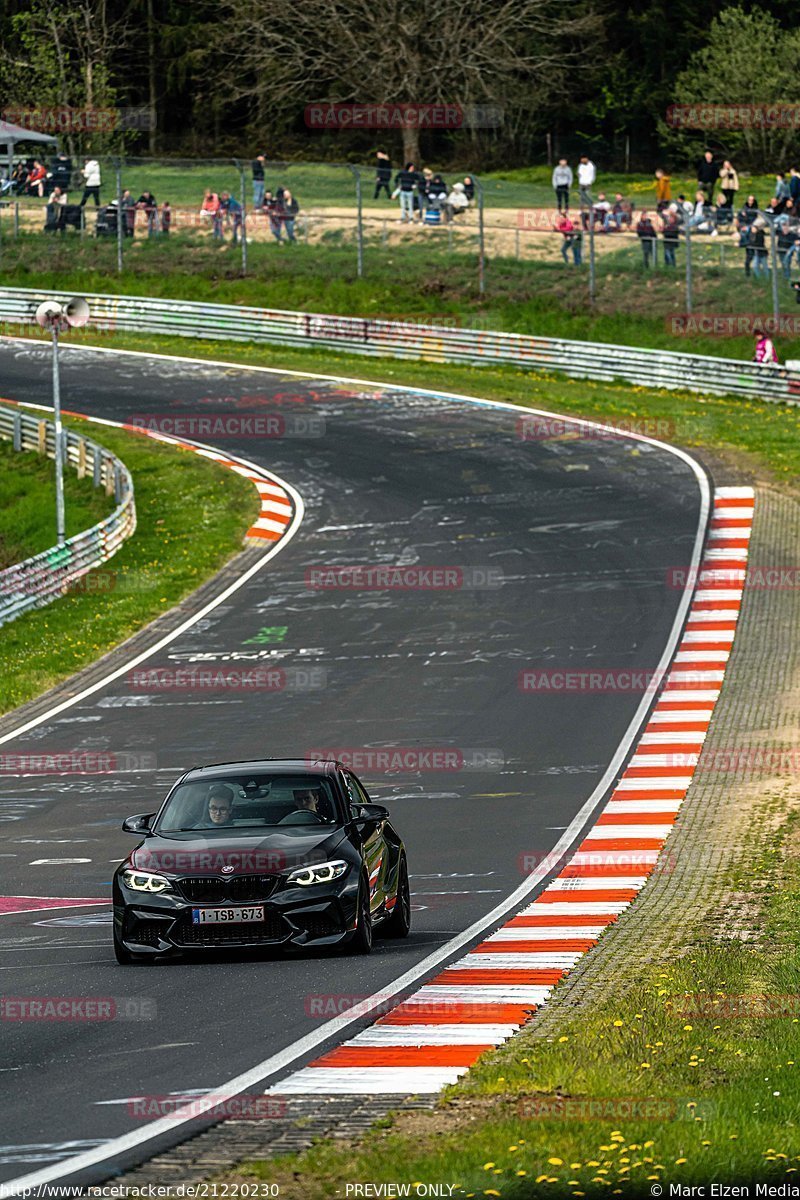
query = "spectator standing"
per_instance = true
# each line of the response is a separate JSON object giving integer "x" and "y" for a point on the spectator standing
{"x": 166, "y": 218}
{"x": 405, "y": 184}
{"x": 562, "y": 182}
{"x": 92, "y": 181}
{"x": 759, "y": 247}
{"x": 728, "y": 183}
{"x": 571, "y": 239}
{"x": 707, "y": 174}
{"x": 671, "y": 234}
{"x": 787, "y": 230}
{"x": 258, "y": 180}
{"x": 646, "y": 232}
{"x": 782, "y": 190}
{"x": 744, "y": 223}
{"x": 383, "y": 174}
{"x": 765, "y": 350}
{"x": 147, "y": 202}
{"x": 290, "y": 210}
{"x": 587, "y": 173}
{"x": 663, "y": 190}
{"x": 794, "y": 186}
{"x": 128, "y": 214}
{"x": 232, "y": 209}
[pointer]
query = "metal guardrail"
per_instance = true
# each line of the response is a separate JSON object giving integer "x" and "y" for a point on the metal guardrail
{"x": 46, "y": 576}
{"x": 365, "y": 335}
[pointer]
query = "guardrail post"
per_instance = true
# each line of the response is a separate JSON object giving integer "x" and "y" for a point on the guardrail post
{"x": 688, "y": 268}
{"x": 81, "y": 458}
{"x": 591, "y": 257}
{"x": 359, "y": 219}
{"x": 41, "y": 438}
{"x": 120, "y": 215}
{"x": 108, "y": 471}
{"x": 773, "y": 245}
{"x": 96, "y": 468}
{"x": 117, "y": 484}
{"x": 17, "y": 432}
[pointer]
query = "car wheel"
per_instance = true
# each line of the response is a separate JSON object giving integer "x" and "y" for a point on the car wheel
{"x": 361, "y": 941}
{"x": 398, "y": 925}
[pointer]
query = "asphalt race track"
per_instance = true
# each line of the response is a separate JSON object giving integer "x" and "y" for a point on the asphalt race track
{"x": 577, "y": 537}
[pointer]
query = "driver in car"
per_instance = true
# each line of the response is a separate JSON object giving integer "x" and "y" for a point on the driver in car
{"x": 220, "y": 804}
{"x": 306, "y": 810}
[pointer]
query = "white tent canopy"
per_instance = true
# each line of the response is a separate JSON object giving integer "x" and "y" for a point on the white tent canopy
{"x": 11, "y": 134}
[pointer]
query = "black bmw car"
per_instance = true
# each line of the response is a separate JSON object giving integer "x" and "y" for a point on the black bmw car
{"x": 278, "y": 852}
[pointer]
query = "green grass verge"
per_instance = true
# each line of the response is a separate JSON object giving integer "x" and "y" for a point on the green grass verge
{"x": 685, "y": 1079}
{"x": 326, "y": 184}
{"x": 420, "y": 279}
{"x": 28, "y": 509}
{"x": 192, "y": 516}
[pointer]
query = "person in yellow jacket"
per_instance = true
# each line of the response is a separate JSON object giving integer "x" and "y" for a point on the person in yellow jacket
{"x": 663, "y": 190}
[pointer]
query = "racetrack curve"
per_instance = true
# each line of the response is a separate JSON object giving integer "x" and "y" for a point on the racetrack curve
{"x": 583, "y": 533}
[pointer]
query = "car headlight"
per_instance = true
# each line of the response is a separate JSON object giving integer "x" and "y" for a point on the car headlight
{"x": 321, "y": 873}
{"x": 146, "y": 881}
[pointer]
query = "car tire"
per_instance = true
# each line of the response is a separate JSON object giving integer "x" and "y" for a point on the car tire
{"x": 361, "y": 941}
{"x": 398, "y": 925}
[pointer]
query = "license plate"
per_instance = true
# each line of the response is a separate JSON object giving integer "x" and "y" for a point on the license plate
{"x": 227, "y": 916}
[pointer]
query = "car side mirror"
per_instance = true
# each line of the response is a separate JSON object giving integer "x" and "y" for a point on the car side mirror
{"x": 139, "y": 825}
{"x": 368, "y": 817}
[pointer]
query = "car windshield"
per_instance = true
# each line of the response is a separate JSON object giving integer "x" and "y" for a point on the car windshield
{"x": 245, "y": 802}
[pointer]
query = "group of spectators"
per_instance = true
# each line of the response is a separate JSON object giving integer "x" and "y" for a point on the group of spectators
{"x": 712, "y": 211}
{"x": 423, "y": 195}
{"x": 281, "y": 209}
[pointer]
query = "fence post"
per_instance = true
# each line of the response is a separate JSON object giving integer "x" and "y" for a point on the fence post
{"x": 16, "y": 218}
{"x": 773, "y": 243}
{"x": 243, "y": 195}
{"x": 688, "y": 268}
{"x": 591, "y": 256}
{"x": 120, "y": 215}
{"x": 359, "y": 219}
{"x": 481, "y": 240}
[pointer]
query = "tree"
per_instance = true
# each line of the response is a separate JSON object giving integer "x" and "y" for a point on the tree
{"x": 502, "y": 53}
{"x": 748, "y": 61}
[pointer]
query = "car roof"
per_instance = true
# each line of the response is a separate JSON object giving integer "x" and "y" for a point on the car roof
{"x": 294, "y": 766}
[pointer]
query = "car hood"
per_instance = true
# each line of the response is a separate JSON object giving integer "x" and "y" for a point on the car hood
{"x": 218, "y": 852}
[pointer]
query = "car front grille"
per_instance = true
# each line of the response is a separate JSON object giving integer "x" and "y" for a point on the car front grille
{"x": 272, "y": 929}
{"x": 240, "y": 889}
{"x": 147, "y": 933}
{"x": 318, "y": 925}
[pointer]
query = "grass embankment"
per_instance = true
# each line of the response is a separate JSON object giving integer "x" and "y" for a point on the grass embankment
{"x": 413, "y": 282}
{"x": 683, "y": 1080}
{"x": 27, "y": 504}
{"x": 192, "y": 516}
{"x": 326, "y": 184}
